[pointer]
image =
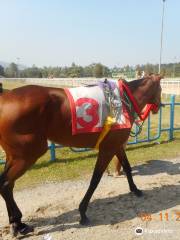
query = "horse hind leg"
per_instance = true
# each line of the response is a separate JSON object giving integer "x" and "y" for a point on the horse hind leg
{"x": 7, "y": 179}
{"x": 122, "y": 157}
{"x": 16, "y": 166}
{"x": 14, "y": 212}
{"x": 4, "y": 191}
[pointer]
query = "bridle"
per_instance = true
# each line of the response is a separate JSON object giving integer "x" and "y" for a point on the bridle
{"x": 138, "y": 116}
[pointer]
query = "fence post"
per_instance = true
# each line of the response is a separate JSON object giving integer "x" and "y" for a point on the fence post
{"x": 172, "y": 108}
{"x": 53, "y": 152}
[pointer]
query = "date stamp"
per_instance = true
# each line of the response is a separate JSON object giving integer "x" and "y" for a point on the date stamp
{"x": 162, "y": 216}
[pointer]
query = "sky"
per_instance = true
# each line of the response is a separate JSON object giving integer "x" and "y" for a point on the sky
{"x": 113, "y": 32}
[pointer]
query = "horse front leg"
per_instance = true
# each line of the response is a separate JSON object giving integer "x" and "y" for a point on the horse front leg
{"x": 104, "y": 157}
{"x": 122, "y": 157}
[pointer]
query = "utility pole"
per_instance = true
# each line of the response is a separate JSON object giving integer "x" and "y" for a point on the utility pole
{"x": 161, "y": 42}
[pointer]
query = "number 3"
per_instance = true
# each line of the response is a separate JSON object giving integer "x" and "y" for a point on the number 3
{"x": 91, "y": 111}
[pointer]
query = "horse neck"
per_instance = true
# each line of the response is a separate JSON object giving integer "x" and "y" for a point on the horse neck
{"x": 143, "y": 91}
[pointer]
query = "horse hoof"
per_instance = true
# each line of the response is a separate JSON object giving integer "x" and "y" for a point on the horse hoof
{"x": 84, "y": 221}
{"x": 138, "y": 193}
{"x": 20, "y": 229}
{"x": 25, "y": 229}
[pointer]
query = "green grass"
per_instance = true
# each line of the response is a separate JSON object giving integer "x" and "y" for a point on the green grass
{"x": 70, "y": 165}
{"x": 8, "y": 85}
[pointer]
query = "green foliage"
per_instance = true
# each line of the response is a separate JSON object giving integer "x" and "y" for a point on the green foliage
{"x": 33, "y": 72}
{"x": 98, "y": 70}
{"x": 1, "y": 71}
{"x": 169, "y": 69}
{"x": 93, "y": 70}
{"x": 12, "y": 70}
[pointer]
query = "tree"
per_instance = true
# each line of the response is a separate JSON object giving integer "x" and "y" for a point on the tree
{"x": 1, "y": 71}
{"x": 93, "y": 70}
{"x": 12, "y": 70}
{"x": 98, "y": 70}
{"x": 33, "y": 72}
{"x": 106, "y": 71}
{"x": 75, "y": 71}
{"x": 88, "y": 71}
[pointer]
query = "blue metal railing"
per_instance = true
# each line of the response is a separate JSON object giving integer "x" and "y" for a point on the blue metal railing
{"x": 149, "y": 138}
{"x": 170, "y": 130}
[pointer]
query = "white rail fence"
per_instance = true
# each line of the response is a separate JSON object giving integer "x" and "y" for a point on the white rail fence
{"x": 169, "y": 85}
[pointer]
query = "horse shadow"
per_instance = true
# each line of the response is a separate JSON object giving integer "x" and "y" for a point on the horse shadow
{"x": 153, "y": 167}
{"x": 118, "y": 209}
{"x": 113, "y": 210}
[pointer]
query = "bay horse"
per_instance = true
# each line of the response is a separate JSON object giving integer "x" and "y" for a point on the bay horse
{"x": 31, "y": 115}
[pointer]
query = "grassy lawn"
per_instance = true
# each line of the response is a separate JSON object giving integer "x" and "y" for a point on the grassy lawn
{"x": 70, "y": 165}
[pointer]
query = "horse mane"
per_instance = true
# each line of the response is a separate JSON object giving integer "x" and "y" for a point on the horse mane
{"x": 135, "y": 83}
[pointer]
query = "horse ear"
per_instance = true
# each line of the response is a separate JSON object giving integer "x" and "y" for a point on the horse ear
{"x": 157, "y": 77}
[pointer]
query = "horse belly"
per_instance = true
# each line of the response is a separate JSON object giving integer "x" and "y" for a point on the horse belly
{"x": 114, "y": 138}
{"x": 63, "y": 135}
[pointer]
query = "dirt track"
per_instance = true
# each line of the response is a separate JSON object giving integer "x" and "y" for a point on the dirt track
{"x": 113, "y": 211}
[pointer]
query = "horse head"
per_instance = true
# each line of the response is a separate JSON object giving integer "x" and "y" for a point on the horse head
{"x": 146, "y": 94}
{"x": 155, "y": 90}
